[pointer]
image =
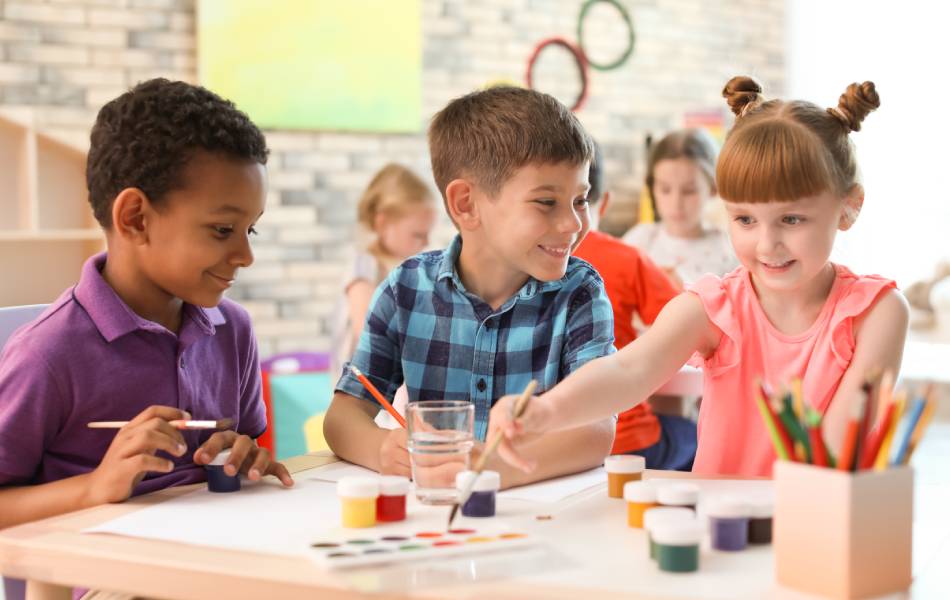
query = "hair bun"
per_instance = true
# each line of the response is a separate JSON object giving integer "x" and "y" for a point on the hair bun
{"x": 742, "y": 93}
{"x": 855, "y": 104}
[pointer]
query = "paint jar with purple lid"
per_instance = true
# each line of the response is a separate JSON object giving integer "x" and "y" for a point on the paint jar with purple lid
{"x": 664, "y": 514}
{"x": 760, "y": 520}
{"x": 218, "y": 480}
{"x": 481, "y": 502}
{"x": 685, "y": 495}
{"x": 677, "y": 545}
{"x": 728, "y": 523}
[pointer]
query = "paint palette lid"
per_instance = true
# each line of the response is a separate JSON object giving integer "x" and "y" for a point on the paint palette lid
{"x": 677, "y": 533}
{"x": 727, "y": 507}
{"x": 220, "y": 459}
{"x": 488, "y": 481}
{"x": 761, "y": 508}
{"x": 678, "y": 494}
{"x": 639, "y": 491}
{"x": 358, "y": 487}
{"x": 625, "y": 463}
{"x": 667, "y": 514}
{"x": 393, "y": 485}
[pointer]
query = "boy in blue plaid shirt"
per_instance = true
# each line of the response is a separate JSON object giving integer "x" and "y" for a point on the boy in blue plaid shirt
{"x": 504, "y": 303}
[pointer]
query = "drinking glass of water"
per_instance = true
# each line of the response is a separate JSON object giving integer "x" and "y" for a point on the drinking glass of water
{"x": 441, "y": 434}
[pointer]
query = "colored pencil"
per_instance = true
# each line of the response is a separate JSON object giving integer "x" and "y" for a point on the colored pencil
{"x": 876, "y": 438}
{"x": 784, "y": 438}
{"x": 516, "y": 412}
{"x": 799, "y": 401}
{"x": 795, "y": 429}
{"x": 921, "y": 425}
{"x": 817, "y": 443}
{"x": 910, "y": 424}
{"x": 846, "y": 459}
{"x": 865, "y": 425}
{"x": 177, "y": 424}
{"x": 780, "y": 449}
{"x": 379, "y": 397}
{"x": 884, "y": 453}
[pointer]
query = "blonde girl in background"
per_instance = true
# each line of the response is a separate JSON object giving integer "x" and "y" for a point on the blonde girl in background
{"x": 788, "y": 176}
{"x": 396, "y": 214}
{"x": 681, "y": 180}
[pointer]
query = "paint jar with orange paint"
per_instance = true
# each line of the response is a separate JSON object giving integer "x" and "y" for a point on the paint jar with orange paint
{"x": 640, "y": 497}
{"x": 621, "y": 470}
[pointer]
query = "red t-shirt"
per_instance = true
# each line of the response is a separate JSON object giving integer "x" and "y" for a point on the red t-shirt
{"x": 635, "y": 286}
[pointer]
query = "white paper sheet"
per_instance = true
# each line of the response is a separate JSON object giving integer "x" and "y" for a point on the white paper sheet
{"x": 555, "y": 490}
{"x": 338, "y": 470}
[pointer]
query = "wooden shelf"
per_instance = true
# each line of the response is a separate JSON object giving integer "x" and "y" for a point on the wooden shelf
{"x": 48, "y": 230}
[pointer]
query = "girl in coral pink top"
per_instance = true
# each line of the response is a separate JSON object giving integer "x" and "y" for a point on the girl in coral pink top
{"x": 788, "y": 176}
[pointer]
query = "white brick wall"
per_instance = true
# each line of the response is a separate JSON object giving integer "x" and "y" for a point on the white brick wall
{"x": 65, "y": 58}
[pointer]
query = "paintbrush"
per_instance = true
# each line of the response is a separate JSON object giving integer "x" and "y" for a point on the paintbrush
{"x": 516, "y": 411}
{"x": 177, "y": 424}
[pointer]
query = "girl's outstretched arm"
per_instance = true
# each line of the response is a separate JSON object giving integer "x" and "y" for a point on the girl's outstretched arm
{"x": 614, "y": 383}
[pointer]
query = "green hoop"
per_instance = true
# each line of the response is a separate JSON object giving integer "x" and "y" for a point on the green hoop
{"x": 585, "y": 8}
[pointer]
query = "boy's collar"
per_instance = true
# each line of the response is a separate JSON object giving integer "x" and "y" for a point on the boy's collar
{"x": 448, "y": 270}
{"x": 113, "y": 317}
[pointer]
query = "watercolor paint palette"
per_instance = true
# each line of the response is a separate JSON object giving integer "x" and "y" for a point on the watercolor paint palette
{"x": 360, "y": 550}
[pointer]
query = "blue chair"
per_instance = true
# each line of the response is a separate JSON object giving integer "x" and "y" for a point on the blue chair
{"x": 11, "y": 318}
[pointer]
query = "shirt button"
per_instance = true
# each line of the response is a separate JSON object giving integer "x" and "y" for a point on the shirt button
{"x": 481, "y": 385}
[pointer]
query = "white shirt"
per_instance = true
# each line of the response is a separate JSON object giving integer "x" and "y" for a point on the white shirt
{"x": 691, "y": 258}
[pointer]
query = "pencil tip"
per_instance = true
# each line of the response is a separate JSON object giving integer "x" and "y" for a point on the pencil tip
{"x": 225, "y": 423}
{"x": 455, "y": 508}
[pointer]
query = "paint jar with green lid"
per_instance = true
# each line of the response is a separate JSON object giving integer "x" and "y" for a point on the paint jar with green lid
{"x": 677, "y": 545}
{"x": 663, "y": 514}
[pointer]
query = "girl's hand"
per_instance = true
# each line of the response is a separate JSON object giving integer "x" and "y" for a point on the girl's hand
{"x": 536, "y": 419}
{"x": 246, "y": 457}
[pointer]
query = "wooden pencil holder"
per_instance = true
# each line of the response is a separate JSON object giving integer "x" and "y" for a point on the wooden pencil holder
{"x": 841, "y": 534}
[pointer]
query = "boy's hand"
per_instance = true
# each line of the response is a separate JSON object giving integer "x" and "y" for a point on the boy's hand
{"x": 132, "y": 453}
{"x": 394, "y": 454}
{"x": 534, "y": 420}
{"x": 246, "y": 457}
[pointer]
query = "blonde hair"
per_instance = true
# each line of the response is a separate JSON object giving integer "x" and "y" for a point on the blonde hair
{"x": 695, "y": 144}
{"x": 393, "y": 192}
{"x": 785, "y": 150}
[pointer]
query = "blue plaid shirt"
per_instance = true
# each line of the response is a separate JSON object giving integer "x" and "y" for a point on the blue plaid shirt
{"x": 426, "y": 330}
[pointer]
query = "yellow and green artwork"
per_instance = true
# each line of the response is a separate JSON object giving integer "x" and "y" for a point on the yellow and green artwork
{"x": 315, "y": 64}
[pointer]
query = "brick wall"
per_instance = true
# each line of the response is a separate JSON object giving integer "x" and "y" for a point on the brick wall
{"x": 63, "y": 59}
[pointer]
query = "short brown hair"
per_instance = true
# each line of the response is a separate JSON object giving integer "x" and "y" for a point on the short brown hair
{"x": 786, "y": 150}
{"x": 488, "y": 134}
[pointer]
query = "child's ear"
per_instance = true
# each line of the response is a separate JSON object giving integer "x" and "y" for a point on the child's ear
{"x": 460, "y": 202}
{"x": 604, "y": 201}
{"x": 852, "y": 207}
{"x": 130, "y": 212}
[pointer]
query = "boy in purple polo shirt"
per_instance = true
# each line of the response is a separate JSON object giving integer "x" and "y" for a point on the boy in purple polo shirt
{"x": 176, "y": 178}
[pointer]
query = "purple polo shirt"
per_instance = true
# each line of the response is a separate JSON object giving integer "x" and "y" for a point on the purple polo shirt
{"x": 88, "y": 357}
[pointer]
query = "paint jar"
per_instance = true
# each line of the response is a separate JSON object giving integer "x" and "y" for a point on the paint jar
{"x": 391, "y": 503}
{"x": 678, "y": 494}
{"x": 760, "y": 521}
{"x": 664, "y": 514}
{"x": 677, "y": 545}
{"x": 640, "y": 496}
{"x": 481, "y": 502}
{"x": 358, "y": 498}
{"x": 728, "y": 523}
{"x": 622, "y": 469}
{"x": 218, "y": 480}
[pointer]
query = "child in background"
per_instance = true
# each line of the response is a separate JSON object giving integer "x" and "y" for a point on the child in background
{"x": 681, "y": 180}
{"x": 635, "y": 286}
{"x": 504, "y": 303}
{"x": 177, "y": 181}
{"x": 788, "y": 175}
{"x": 398, "y": 211}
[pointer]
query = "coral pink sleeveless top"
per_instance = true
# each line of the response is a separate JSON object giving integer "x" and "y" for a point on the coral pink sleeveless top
{"x": 732, "y": 436}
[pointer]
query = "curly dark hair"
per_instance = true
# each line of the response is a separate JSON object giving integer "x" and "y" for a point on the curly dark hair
{"x": 145, "y": 138}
